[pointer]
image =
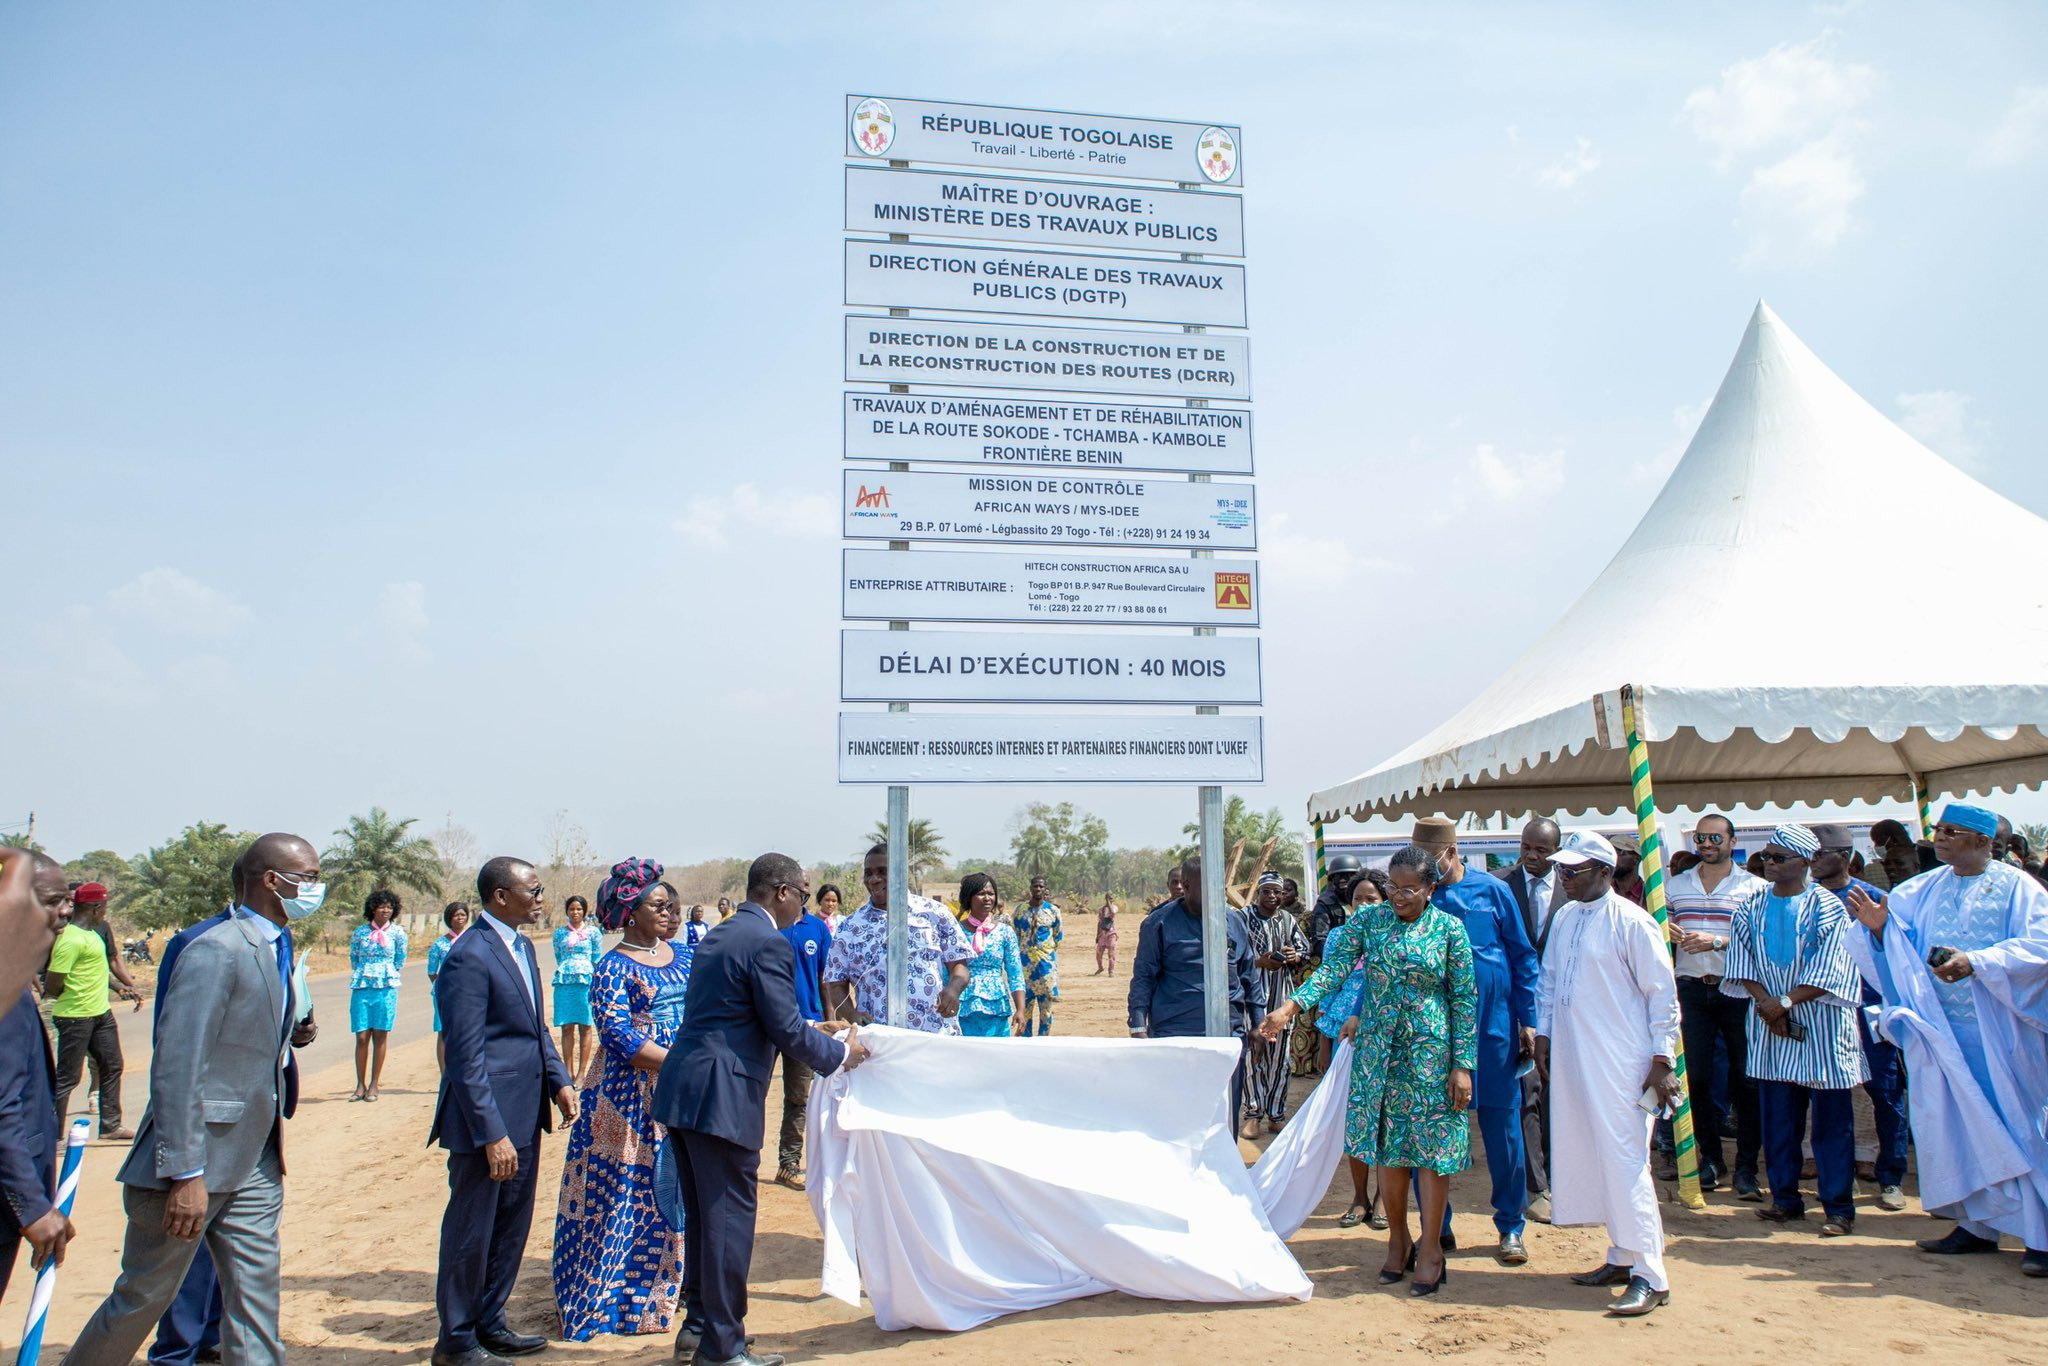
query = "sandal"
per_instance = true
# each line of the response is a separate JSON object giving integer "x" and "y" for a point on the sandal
{"x": 1353, "y": 1217}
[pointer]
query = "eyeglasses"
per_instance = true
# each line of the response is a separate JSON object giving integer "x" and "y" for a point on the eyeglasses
{"x": 803, "y": 898}
{"x": 1700, "y": 837}
{"x": 536, "y": 891}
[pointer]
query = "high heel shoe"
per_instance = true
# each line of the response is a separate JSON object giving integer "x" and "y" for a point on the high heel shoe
{"x": 1420, "y": 1287}
{"x": 1393, "y": 1277}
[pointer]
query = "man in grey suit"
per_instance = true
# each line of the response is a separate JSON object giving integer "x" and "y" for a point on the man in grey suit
{"x": 208, "y": 1160}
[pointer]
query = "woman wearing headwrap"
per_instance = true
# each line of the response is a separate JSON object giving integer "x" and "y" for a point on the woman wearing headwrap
{"x": 992, "y": 1007}
{"x": 618, "y": 1263}
{"x": 376, "y": 957}
{"x": 578, "y": 946}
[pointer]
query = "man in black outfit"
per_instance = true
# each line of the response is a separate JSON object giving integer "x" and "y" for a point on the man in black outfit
{"x": 712, "y": 1095}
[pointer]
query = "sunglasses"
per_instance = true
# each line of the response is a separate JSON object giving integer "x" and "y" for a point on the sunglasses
{"x": 1571, "y": 870}
{"x": 1777, "y": 856}
{"x": 1708, "y": 839}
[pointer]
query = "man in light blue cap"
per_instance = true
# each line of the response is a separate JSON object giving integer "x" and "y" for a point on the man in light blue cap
{"x": 1788, "y": 952}
{"x": 1961, "y": 956}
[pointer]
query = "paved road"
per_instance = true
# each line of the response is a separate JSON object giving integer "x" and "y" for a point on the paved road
{"x": 330, "y": 1009}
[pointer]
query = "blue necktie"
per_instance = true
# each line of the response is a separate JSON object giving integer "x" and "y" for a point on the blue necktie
{"x": 284, "y": 969}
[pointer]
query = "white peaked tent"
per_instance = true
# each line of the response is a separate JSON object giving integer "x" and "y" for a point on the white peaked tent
{"x": 1798, "y": 517}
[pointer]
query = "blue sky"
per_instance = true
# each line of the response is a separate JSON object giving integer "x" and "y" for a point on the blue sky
{"x": 437, "y": 406}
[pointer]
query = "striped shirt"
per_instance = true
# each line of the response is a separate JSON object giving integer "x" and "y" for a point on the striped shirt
{"x": 1782, "y": 943}
{"x": 1694, "y": 908}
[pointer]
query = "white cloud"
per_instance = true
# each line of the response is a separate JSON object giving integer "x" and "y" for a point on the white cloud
{"x": 1791, "y": 117}
{"x": 1939, "y": 419}
{"x": 1794, "y": 92}
{"x": 1685, "y": 421}
{"x": 1513, "y": 475}
{"x": 2022, "y": 131}
{"x": 715, "y": 520}
{"x": 1514, "y": 132}
{"x": 177, "y": 604}
{"x": 402, "y": 617}
{"x": 1799, "y": 207}
{"x": 1572, "y": 167}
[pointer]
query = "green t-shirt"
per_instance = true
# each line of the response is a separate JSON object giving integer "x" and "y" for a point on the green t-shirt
{"x": 81, "y": 956}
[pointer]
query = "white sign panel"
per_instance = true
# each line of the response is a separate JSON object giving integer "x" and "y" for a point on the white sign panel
{"x": 1047, "y": 666}
{"x": 958, "y": 429}
{"x": 909, "y": 747}
{"x": 1005, "y": 356}
{"x": 1048, "y": 509}
{"x": 1051, "y": 213}
{"x": 882, "y": 128}
{"x": 1050, "y": 284}
{"x": 1047, "y": 586}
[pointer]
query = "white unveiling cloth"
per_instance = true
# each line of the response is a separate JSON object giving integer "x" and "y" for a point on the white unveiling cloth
{"x": 959, "y": 1179}
{"x": 1293, "y": 1175}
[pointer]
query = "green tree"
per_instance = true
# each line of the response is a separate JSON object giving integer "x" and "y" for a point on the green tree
{"x": 927, "y": 850}
{"x": 376, "y": 851}
{"x": 103, "y": 866}
{"x": 1240, "y": 822}
{"x": 1068, "y": 848}
{"x": 183, "y": 880}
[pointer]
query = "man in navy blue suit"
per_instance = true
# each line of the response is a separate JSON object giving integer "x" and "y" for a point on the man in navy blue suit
{"x": 713, "y": 1096}
{"x": 28, "y": 1111}
{"x": 502, "y": 1066}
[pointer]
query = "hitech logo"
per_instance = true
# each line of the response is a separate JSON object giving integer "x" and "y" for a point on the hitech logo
{"x": 1233, "y": 592}
{"x": 878, "y": 499}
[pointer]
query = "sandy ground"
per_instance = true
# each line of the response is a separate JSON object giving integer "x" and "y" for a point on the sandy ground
{"x": 364, "y": 1200}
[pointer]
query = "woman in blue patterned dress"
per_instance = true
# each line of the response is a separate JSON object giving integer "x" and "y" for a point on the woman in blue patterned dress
{"x": 454, "y": 920}
{"x": 1370, "y": 890}
{"x": 992, "y": 1007}
{"x": 618, "y": 1264}
{"x": 376, "y": 956}
{"x": 578, "y": 946}
{"x": 1417, "y": 1032}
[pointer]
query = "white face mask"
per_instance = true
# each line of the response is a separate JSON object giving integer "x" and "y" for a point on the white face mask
{"x": 309, "y": 898}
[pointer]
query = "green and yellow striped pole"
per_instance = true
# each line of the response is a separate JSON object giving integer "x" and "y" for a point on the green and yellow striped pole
{"x": 1926, "y": 804}
{"x": 1653, "y": 894}
{"x": 1322, "y": 867}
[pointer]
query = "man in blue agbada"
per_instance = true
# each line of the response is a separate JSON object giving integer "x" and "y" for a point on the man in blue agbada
{"x": 1505, "y": 965}
{"x": 1961, "y": 956}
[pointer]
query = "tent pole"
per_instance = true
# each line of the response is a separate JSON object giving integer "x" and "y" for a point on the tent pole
{"x": 1322, "y": 869}
{"x": 1653, "y": 893}
{"x": 1926, "y": 802}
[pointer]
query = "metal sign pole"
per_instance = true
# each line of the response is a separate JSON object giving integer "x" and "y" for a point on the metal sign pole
{"x": 1209, "y": 803}
{"x": 899, "y": 907}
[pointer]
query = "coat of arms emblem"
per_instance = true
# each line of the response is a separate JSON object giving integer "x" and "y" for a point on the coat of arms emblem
{"x": 1216, "y": 153}
{"x": 874, "y": 127}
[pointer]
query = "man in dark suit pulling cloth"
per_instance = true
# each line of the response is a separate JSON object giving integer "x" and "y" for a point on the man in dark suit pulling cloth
{"x": 713, "y": 1096}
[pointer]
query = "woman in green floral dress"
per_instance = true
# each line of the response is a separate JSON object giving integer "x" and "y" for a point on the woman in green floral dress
{"x": 1417, "y": 1042}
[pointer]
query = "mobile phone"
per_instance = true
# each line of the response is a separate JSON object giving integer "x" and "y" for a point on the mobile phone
{"x": 1939, "y": 954}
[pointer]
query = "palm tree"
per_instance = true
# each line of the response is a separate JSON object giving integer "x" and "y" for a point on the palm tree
{"x": 927, "y": 850}
{"x": 375, "y": 851}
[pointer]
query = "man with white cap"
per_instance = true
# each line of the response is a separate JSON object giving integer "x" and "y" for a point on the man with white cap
{"x": 1961, "y": 955}
{"x": 1606, "y": 1038}
{"x": 1788, "y": 951}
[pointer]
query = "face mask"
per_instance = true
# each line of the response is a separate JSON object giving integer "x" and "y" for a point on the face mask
{"x": 311, "y": 895}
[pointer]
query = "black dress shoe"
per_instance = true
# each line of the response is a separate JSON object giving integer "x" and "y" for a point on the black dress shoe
{"x": 507, "y": 1343}
{"x": 2034, "y": 1263}
{"x": 1605, "y": 1274}
{"x": 1637, "y": 1300}
{"x": 475, "y": 1356}
{"x": 1512, "y": 1253}
{"x": 1958, "y": 1241}
{"x": 1450, "y": 1242}
{"x": 690, "y": 1336}
{"x": 747, "y": 1357}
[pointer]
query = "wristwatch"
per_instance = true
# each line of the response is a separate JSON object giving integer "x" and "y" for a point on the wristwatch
{"x": 1784, "y": 1003}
